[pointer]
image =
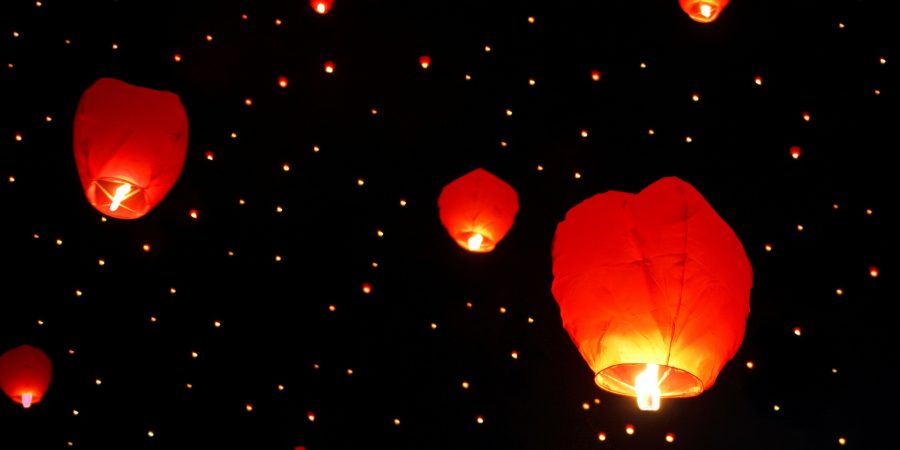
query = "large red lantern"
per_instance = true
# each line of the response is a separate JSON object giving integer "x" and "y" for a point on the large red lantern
{"x": 653, "y": 288}
{"x": 25, "y": 374}
{"x": 703, "y": 11}
{"x": 478, "y": 209}
{"x": 130, "y": 145}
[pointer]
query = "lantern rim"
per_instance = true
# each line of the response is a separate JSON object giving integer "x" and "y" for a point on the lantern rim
{"x": 101, "y": 192}
{"x": 693, "y": 11}
{"x": 674, "y": 382}
{"x": 487, "y": 244}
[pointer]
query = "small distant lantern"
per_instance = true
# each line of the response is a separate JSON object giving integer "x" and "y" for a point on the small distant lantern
{"x": 478, "y": 209}
{"x": 321, "y": 6}
{"x": 703, "y": 11}
{"x": 795, "y": 152}
{"x": 653, "y": 288}
{"x": 130, "y": 146}
{"x": 425, "y": 61}
{"x": 25, "y": 374}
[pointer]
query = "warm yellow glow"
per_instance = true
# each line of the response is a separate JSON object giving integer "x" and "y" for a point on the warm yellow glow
{"x": 280, "y": 387}
{"x": 217, "y": 324}
{"x": 514, "y": 354}
{"x": 629, "y": 429}
{"x": 584, "y": 133}
{"x": 249, "y": 407}
{"x": 646, "y": 388}
{"x": 120, "y": 194}
{"x": 670, "y": 437}
{"x": 688, "y": 139}
{"x": 320, "y": 8}
{"x": 695, "y": 97}
{"x": 396, "y": 421}
{"x": 487, "y": 48}
{"x": 146, "y": 247}
{"x": 474, "y": 242}
{"x": 530, "y": 19}
{"x": 531, "y": 82}
{"x": 479, "y": 419}
{"x": 465, "y": 384}
{"x": 311, "y": 416}
{"x": 433, "y": 326}
{"x": 839, "y": 291}
{"x": 776, "y": 408}
{"x": 797, "y": 331}
{"x": 758, "y": 81}
{"x": 873, "y": 272}
{"x": 750, "y": 364}
{"x": 705, "y": 10}
{"x": 208, "y": 38}
{"x": 601, "y": 436}
{"x": 26, "y": 399}
{"x": 194, "y": 355}
{"x": 842, "y": 441}
{"x": 150, "y": 433}
{"x": 98, "y": 382}
{"x": 502, "y": 310}
{"x": 585, "y": 406}
{"x": 768, "y": 247}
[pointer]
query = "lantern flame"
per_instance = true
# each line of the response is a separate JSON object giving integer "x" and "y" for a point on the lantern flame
{"x": 475, "y": 242}
{"x": 321, "y": 8}
{"x": 120, "y": 194}
{"x": 26, "y": 399}
{"x": 706, "y": 10}
{"x": 646, "y": 388}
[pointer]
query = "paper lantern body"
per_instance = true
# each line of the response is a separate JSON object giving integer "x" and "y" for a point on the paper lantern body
{"x": 478, "y": 209}
{"x": 656, "y": 278}
{"x": 703, "y": 11}
{"x": 321, "y": 6}
{"x": 25, "y": 374}
{"x": 130, "y": 145}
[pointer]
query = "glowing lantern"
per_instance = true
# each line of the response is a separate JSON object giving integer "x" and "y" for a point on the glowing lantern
{"x": 653, "y": 288}
{"x": 703, "y": 11}
{"x": 795, "y": 152}
{"x": 321, "y": 6}
{"x": 25, "y": 374}
{"x": 478, "y": 209}
{"x": 425, "y": 61}
{"x": 130, "y": 145}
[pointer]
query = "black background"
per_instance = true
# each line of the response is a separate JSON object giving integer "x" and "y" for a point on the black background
{"x": 430, "y": 128}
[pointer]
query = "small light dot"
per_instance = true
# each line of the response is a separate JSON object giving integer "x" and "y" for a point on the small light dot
{"x": 15, "y": 34}
{"x": 40, "y": 322}
{"x": 374, "y": 264}
{"x": 433, "y": 326}
{"x": 115, "y": 46}
{"x": 193, "y": 213}
{"x": 601, "y": 436}
{"x": 503, "y": 144}
{"x": 585, "y": 406}
{"x": 750, "y": 364}
{"x": 596, "y": 401}
{"x": 11, "y": 179}
{"x": 311, "y": 416}
{"x": 795, "y": 152}
{"x": 98, "y": 382}
{"x": 374, "y": 112}
{"x": 509, "y": 113}
{"x": 465, "y": 384}
{"x": 59, "y": 242}
{"x": 279, "y": 209}
{"x": 468, "y": 77}
{"x": 248, "y": 407}
{"x": 540, "y": 168}
{"x": 194, "y": 355}
{"x": 282, "y": 81}
{"x": 842, "y": 440}
{"x": 806, "y": 117}
{"x": 189, "y": 385}
{"x": 101, "y": 262}
{"x": 797, "y": 331}
{"x": 776, "y": 408}
{"x": 514, "y": 354}
{"x": 349, "y": 371}
{"x": 768, "y": 247}
{"x": 758, "y": 80}
{"x": 332, "y": 308}
{"x": 629, "y": 429}
{"x": 150, "y": 433}
{"x": 869, "y": 212}
{"x": 595, "y": 75}
{"x": 643, "y": 65}
{"x": 670, "y": 437}
{"x": 210, "y": 156}
{"x": 234, "y": 135}
{"x": 487, "y": 48}
{"x": 834, "y": 370}
{"x": 74, "y": 412}
{"x": 286, "y": 167}
{"x": 280, "y": 387}
{"x": 71, "y": 352}
{"x": 329, "y": 67}
{"x": 839, "y": 291}
{"x": 230, "y": 253}
{"x": 502, "y": 310}
{"x": 277, "y": 258}
{"x": 48, "y": 119}
{"x": 315, "y": 149}
{"x": 479, "y": 419}
{"x": 78, "y": 293}
{"x": 402, "y": 202}
{"x": 366, "y": 288}
{"x": 18, "y": 137}
{"x": 882, "y": 60}
{"x": 873, "y": 272}
{"x": 577, "y": 175}
{"x": 217, "y": 324}
{"x": 695, "y": 97}
{"x": 688, "y": 139}
{"x": 530, "y": 320}
{"x": 146, "y": 247}
{"x": 532, "y": 82}
{"x": 177, "y": 57}
{"x": 469, "y": 305}
{"x": 173, "y": 291}
{"x": 396, "y": 421}
{"x": 249, "y": 101}
{"x": 379, "y": 233}
{"x": 651, "y": 132}
{"x": 799, "y": 227}
{"x": 530, "y": 19}
{"x": 277, "y": 22}
{"x": 584, "y": 133}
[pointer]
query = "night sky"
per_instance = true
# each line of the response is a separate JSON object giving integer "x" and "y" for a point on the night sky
{"x": 247, "y": 326}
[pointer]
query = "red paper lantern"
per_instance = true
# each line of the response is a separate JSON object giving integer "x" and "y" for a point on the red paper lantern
{"x": 25, "y": 374}
{"x": 425, "y": 61}
{"x": 703, "y": 11}
{"x": 130, "y": 145}
{"x": 478, "y": 209}
{"x": 321, "y": 6}
{"x": 653, "y": 288}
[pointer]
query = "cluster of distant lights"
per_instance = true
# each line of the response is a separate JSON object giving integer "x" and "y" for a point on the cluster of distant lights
{"x": 329, "y": 67}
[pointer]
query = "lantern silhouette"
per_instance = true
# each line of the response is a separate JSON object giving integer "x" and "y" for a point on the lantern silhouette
{"x": 478, "y": 209}
{"x": 321, "y": 6}
{"x": 653, "y": 288}
{"x": 25, "y": 374}
{"x": 130, "y": 145}
{"x": 703, "y": 11}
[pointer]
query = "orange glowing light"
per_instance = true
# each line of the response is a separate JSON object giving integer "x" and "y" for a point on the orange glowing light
{"x": 321, "y": 6}
{"x": 329, "y": 67}
{"x": 425, "y": 61}
{"x": 795, "y": 152}
{"x": 703, "y": 11}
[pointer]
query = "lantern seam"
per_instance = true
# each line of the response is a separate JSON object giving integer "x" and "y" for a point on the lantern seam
{"x": 683, "y": 272}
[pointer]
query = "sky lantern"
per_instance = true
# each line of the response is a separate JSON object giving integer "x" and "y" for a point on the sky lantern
{"x": 425, "y": 61}
{"x": 130, "y": 146}
{"x": 321, "y": 6}
{"x": 25, "y": 374}
{"x": 703, "y": 11}
{"x": 653, "y": 288}
{"x": 478, "y": 209}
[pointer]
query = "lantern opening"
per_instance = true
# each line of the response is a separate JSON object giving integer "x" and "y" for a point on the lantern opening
{"x": 646, "y": 388}
{"x": 118, "y": 198}
{"x": 703, "y": 11}
{"x": 475, "y": 242}
{"x": 649, "y": 385}
{"x": 321, "y": 8}
{"x": 26, "y": 399}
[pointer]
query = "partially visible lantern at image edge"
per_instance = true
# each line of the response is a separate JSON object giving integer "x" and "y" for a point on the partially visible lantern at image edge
{"x": 653, "y": 288}
{"x": 25, "y": 374}
{"x": 321, "y": 6}
{"x": 478, "y": 209}
{"x": 703, "y": 11}
{"x": 130, "y": 145}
